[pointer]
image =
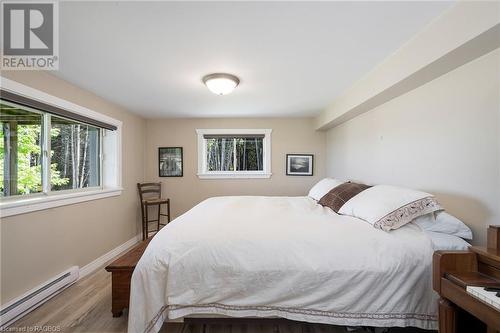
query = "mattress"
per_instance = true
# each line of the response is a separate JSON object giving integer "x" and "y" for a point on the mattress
{"x": 283, "y": 257}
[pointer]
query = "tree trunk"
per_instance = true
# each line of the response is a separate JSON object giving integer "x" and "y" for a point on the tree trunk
{"x": 73, "y": 164}
{"x": 223, "y": 157}
{"x": 66, "y": 153}
{"x": 244, "y": 166}
{"x": 258, "y": 155}
{"x": 85, "y": 144}
{"x": 77, "y": 143}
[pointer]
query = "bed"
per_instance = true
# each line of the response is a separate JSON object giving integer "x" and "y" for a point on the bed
{"x": 283, "y": 257}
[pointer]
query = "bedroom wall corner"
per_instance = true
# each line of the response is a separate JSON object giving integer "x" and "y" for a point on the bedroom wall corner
{"x": 443, "y": 138}
{"x": 37, "y": 246}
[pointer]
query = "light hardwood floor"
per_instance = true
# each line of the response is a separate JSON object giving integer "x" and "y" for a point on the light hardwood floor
{"x": 83, "y": 307}
{"x": 86, "y": 307}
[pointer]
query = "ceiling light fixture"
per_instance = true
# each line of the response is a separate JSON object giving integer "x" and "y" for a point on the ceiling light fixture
{"x": 221, "y": 83}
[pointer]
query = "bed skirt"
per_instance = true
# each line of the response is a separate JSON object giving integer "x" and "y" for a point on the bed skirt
{"x": 172, "y": 312}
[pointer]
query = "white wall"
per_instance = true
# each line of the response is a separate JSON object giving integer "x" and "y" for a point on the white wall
{"x": 442, "y": 137}
{"x": 463, "y": 33}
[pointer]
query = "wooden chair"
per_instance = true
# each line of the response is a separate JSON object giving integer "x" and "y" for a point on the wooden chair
{"x": 150, "y": 195}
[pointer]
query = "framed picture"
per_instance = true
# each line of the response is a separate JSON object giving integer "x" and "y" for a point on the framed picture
{"x": 170, "y": 161}
{"x": 299, "y": 164}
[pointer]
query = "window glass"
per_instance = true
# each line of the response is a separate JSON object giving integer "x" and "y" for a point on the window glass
{"x": 220, "y": 154}
{"x": 249, "y": 154}
{"x": 75, "y": 155}
{"x": 20, "y": 150}
{"x": 234, "y": 153}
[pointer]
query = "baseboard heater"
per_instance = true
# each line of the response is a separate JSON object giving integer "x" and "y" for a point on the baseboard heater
{"x": 20, "y": 306}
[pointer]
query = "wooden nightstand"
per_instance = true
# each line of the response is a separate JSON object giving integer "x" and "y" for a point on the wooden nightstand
{"x": 460, "y": 277}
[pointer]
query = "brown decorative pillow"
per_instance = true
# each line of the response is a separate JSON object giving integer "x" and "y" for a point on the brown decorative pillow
{"x": 339, "y": 195}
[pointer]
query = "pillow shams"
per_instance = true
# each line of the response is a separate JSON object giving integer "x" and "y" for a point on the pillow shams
{"x": 389, "y": 207}
{"x": 323, "y": 187}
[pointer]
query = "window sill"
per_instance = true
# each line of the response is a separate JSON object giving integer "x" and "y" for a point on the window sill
{"x": 233, "y": 175}
{"x": 27, "y": 205}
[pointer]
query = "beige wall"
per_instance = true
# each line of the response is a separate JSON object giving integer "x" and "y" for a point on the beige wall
{"x": 290, "y": 135}
{"x": 38, "y": 245}
{"x": 443, "y": 137}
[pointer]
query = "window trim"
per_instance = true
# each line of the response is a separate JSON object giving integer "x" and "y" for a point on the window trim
{"x": 111, "y": 170}
{"x": 202, "y": 156}
{"x": 54, "y": 110}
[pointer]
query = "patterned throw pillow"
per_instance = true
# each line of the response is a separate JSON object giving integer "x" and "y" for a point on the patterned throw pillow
{"x": 339, "y": 195}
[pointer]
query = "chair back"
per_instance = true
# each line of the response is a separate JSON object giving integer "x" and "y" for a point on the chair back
{"x": 149, "y": 191}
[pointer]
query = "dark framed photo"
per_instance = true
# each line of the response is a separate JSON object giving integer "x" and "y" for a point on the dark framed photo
{"x": 170, "y": 161}
{"x": 299, "y": 164}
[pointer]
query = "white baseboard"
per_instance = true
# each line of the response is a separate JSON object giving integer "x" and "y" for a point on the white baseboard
{"x": 99, "y": 262}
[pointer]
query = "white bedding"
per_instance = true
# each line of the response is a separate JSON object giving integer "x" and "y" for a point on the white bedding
{"x": 286, "y": 257}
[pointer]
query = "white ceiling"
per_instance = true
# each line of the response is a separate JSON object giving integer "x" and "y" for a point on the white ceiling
{"x": 293, "y": 58}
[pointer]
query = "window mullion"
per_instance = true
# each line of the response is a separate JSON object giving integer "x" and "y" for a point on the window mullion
{"x": 46, "y": 158}
{"x": 102, "y": 134}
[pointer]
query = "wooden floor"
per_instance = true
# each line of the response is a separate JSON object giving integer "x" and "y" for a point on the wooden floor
{"x": 86, "y": 307}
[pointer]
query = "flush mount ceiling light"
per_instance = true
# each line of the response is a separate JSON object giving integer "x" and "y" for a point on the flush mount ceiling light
{"x": 221, "y": 83}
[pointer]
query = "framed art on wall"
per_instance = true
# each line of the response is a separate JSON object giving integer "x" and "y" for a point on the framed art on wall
{"x": 170, "y": 161}
{"x": 299, "y": 164}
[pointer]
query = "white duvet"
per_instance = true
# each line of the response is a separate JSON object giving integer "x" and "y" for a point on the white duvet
{"x": 286, "y": 257}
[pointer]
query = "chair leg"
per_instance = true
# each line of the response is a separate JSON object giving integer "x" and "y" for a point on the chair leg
{"x": 146, "y": 234}
{"x": 168, "y": 210}
{"x": 159, "y": 210}
{"x": 142, "y": 221}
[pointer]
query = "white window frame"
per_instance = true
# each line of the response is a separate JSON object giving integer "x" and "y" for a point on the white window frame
{"x": 203, "y": 173}
{"x": 111, "y": 171}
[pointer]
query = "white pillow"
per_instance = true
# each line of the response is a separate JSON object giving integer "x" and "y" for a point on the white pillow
{"x": 444, "y": 223}
{"x": 389, "y": 207}
{"x": 442, "y": 241}
{"x": 323, "y": 187}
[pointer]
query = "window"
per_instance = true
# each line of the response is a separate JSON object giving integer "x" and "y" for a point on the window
{"x": 53, "y": 154}
{"x": 231, "y": 153}
{"x": 73, "y": 159}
